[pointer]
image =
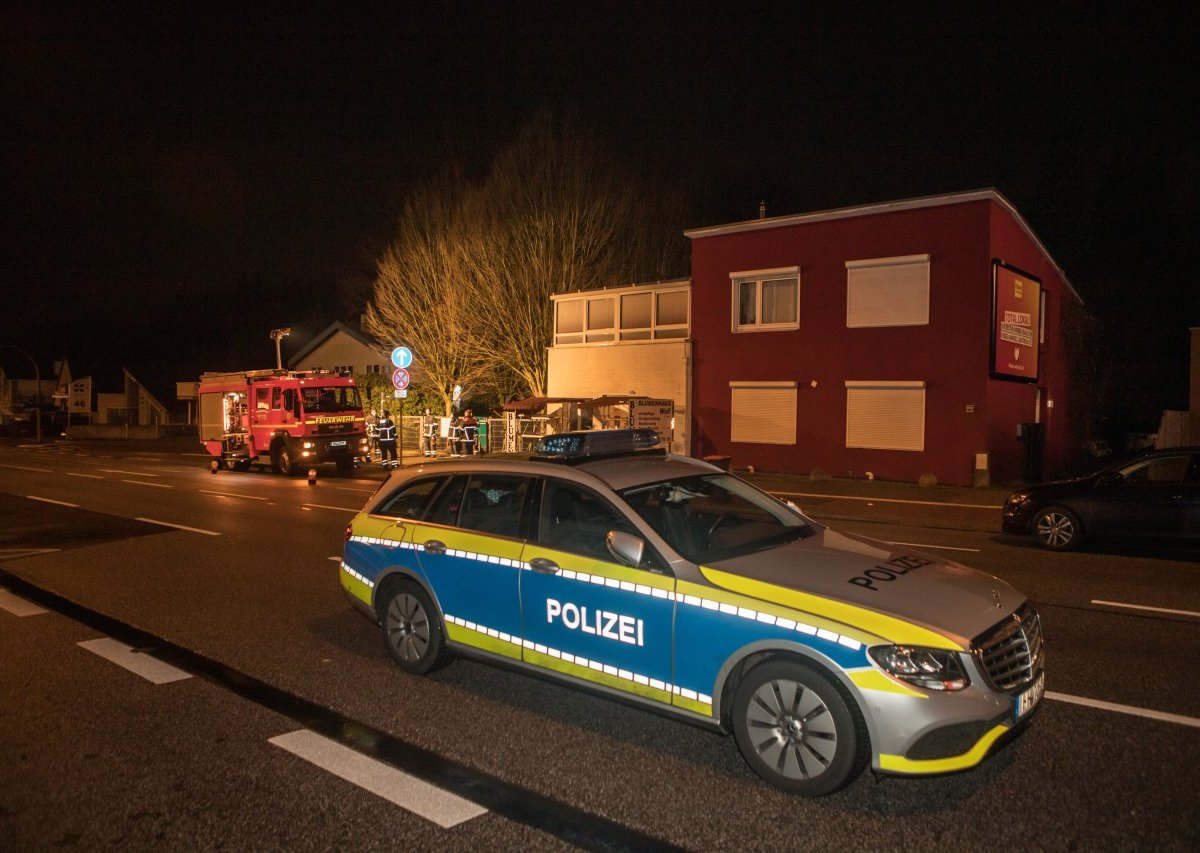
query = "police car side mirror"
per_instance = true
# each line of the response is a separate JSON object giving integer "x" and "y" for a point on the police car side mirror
{"x": 625, "y": 547}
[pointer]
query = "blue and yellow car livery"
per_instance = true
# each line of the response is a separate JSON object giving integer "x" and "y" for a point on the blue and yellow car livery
{"x": 667, "y": 582}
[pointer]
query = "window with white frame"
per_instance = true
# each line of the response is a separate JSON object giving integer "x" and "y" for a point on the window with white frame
{"x": 885, "y": 415}
{"x": 762, "y": 412}
{"x": 766, "y": 300}
{"x": 628, "y": 314}
{"x": 887, "y": 292}
{"x": 375, "y": 369}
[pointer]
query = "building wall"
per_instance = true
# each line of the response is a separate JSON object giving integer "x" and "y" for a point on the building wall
{"x": 657, "y": 369}
{"x": 342, "y": 350}
{"x": 966, "y": 412}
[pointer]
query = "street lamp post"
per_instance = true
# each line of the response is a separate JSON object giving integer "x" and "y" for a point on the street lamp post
{"x": 37, "y": 378}
{"x": 278, "y": 335}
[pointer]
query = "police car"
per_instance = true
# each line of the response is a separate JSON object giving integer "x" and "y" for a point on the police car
{"x": 665, "y": 581}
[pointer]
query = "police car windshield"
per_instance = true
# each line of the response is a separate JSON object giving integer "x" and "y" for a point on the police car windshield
{"x": 330, "y": 398}
{"x": 711, "y": 517}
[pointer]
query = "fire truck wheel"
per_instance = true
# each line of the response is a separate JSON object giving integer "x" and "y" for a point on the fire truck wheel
{"x": 282, "y": 461}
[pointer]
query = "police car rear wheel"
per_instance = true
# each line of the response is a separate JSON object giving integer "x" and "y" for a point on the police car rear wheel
{"x": 797, "y": 730}
{"x": 412, "y": 630}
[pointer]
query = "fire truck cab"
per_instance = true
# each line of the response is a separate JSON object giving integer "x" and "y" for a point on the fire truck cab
{"x": 287, "y": 419}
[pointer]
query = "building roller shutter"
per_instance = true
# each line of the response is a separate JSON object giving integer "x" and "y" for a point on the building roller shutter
{"x": 885, "y": 415}
{"x": 763, "y": 412}
{"x": 888, "y": 292}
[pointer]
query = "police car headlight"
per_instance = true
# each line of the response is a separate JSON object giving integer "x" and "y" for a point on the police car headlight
{"x": 933, "y": 669}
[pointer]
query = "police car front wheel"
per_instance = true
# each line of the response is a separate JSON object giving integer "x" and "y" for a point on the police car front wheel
{"x": 412, "y": 629}
{"x": 797, "y": 730}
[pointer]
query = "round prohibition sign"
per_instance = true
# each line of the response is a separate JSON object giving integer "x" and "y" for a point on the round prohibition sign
{"x": 400, "y": 378}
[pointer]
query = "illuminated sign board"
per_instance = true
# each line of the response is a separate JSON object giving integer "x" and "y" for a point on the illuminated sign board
{"x": 1016, "y": 324}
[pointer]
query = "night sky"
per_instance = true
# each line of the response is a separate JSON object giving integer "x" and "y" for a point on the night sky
{"x": 179, "y": 180}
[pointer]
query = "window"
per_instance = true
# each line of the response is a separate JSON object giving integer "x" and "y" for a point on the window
{"x": 261, "y": 399}
{"x": 276, "y": 397}
{"x": 763, "y": 412}
{"x": 1166, "y": 469}
{"x": 568, "y": 321}
{"x": 766, "y": 300}
{"x": 885, "y": 415}
{"x": 671, "y": 320}
{"x": 411, "y": 501}
{"x": 888, "y": 292}
{"x": 601, "y": 319}
{"x": 490, "y": 503}
{"x": 636, "y": 320}
{"x": 575, "y": 520}
{"x": 375, "y": 369}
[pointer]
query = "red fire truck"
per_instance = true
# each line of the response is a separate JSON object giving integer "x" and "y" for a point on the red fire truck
{"x": 288, "y": 419}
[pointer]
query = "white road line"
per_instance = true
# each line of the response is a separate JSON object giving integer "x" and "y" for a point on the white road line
{"x": 132, "y": 473}
{"x": 323, "y": 506}
{"x": 1161, "y": 716}
{"x": 992, "y": 507}
{"x": 149, "y": 668}
{"x": 419, "y": 797}
{"x": 348, "y": 489}
{"x": 179, "y": 526}
{"x": 155, "y": 485}
{"x": 334, "y": 559}
{"x": 27, "y": 468}
{"x": 18, "y": 606}
{"x": 88, "y": 476}
{"x": 51, "y": 501}
{"x": 939, "y": 547}
{"x": 232, "y": 495}
{"x": 1152, "y": 609}
{"x": 18, "y": 553}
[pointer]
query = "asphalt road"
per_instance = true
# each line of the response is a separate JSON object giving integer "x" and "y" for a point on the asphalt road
{"x": 231, "y": 579}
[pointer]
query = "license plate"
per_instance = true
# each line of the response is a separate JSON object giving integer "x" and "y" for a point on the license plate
{"x": 1026, "y": 701}
{"x": 337, "y": 444}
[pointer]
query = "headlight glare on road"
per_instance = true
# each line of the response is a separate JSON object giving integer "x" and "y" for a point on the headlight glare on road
{"x": 933, "y": 669}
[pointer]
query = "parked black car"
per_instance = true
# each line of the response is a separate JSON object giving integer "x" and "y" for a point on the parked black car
{"x": 1151, "y": 497}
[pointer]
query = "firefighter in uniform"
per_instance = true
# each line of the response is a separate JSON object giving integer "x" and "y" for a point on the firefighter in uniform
{"x": 387, "y": 440}
{"x": 372, "y": 434}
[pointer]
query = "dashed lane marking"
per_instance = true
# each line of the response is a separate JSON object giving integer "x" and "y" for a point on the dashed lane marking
{"x": 323, "y": 506}
{"x": 938, "y": 547}
{"x": 991, "y": 507}
{"x": 52, "y": 501}
{"x": 87, "y": 476}
{"x": 415, "y": 795}
{"x": 232, "y": 495}
{"x": 131, "y": 473}
{"x": 1132, "y": 710}
{"x": 18, "y": 606}
{"x": 1145, "y": 607}
{"x": 28, "y": 468}
{"x": 179, "y": 526}
{"x": 139, "y": 663}
{"x": 155, "y": 485}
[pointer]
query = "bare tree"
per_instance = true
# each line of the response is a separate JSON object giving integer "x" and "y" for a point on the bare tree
{"x": 467, "y": 282}
{"x": 421, "y": 296}
{"x": 556, "y": 214}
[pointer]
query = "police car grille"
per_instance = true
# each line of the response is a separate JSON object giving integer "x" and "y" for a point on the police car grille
{"x": 1011, "y": 652}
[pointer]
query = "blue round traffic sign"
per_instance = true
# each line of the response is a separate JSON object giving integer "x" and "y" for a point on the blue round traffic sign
{"x": 402, "y": 356}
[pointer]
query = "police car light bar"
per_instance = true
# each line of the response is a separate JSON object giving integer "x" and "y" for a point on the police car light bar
{"x": 591, "y": 443}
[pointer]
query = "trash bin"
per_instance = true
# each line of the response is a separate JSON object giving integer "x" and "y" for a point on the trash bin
{"x": 483, "y": 436}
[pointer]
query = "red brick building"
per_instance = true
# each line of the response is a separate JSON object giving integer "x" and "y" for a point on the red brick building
{"x": 914, "y": 337}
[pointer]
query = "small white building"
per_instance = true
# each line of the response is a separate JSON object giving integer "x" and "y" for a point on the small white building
{"x": 623, "y": 342}
{"x": 343, "y": 348}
